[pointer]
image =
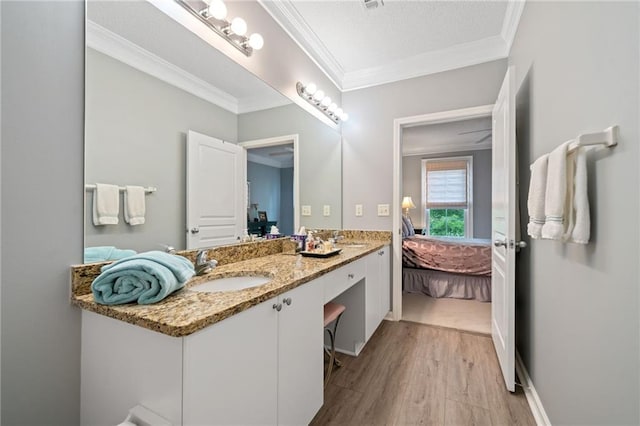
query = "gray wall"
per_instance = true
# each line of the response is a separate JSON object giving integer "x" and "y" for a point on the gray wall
{"x": 285, "y": 224}
{"x": 42, "y": 190}
{"x": 136, "y": 130}
{"x": 320, "y": 157}
{"x": 412, "y": 186}
{"x": 265, "y": 188}
{"x": 368, "y": 135}
{"x": 577, "y": 306}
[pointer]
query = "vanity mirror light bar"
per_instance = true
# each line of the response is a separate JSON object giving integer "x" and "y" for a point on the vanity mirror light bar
{"x": 317, "y": 98}
{"x": 213, "y": 14}
{"x": 148, "y": 189}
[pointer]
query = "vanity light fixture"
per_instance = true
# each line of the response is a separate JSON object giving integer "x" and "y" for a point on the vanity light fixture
{"x": 317, "y": 98}
{"x": 213, "y": 13}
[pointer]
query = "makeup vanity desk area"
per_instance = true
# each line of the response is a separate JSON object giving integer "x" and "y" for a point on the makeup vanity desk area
{"x": 231, "y": 357}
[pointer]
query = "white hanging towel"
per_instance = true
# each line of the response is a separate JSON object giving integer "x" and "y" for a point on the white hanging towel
{"x": 568, "y": 211}
{"x": 134, "y": 205}
{"x": 535, "y": 202}
{"x": 582, "y": 228}
{"x": 106, "y": 204}
{"x": 555, "y": 194}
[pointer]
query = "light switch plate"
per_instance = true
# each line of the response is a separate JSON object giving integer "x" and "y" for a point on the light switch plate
{"x": 383, "y": 209}
{"x": 358, "y": 209}
{"x": 305, "y": 210}
{"x": 326, "y": 210}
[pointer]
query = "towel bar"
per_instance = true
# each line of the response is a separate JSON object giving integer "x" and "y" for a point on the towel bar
{"x": 148, "y": 189}
{"x": 608, "y": 137}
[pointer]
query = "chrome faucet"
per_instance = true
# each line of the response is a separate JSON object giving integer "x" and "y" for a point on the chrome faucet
{"x": 204, "y": 266}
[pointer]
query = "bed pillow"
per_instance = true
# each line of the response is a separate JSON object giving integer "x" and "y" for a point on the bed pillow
{"x": 407, "y": 222}
{"x": 405, "y": 230}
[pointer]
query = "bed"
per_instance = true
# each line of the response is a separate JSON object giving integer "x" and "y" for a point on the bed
{"x": 447, "y": 267}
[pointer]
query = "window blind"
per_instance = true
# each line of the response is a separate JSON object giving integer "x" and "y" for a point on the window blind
{"x": 447, "y": 184}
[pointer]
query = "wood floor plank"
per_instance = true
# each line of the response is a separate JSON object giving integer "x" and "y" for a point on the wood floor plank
{"x": 415, "y": 374}
{"x": 465, "y": 376}
{"x": 459, "y": 413}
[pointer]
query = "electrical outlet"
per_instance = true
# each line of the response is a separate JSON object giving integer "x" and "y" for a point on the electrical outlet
{"x": 306, "y": 210}
{"x": 383, "y": 209}
{"x": 326, "y": 210}
{"x": 358, "y": 209}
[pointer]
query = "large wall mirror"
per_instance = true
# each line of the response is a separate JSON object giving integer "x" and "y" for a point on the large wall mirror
{"x": 149, "y": 81}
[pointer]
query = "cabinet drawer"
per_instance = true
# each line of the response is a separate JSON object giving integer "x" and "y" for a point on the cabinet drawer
{"x": 341, "y": 279}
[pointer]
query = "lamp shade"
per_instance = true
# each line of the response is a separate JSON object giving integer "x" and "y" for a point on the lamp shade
{"x": 407, "y": 203}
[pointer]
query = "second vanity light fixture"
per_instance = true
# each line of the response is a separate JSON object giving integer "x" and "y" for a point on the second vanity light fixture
{"x": 213, "y": 13}
{"x": 317, "y": 98}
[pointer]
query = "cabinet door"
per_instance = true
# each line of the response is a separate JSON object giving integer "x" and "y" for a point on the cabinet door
{"x": 372, "y": 294}
{"x": 385, "y": 281}
{"x": 230, "y": 370}
{"x": 300, "y": 354}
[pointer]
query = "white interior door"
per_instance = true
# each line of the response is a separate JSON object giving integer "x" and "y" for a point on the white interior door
{"x": 503, "y": 225}
{"x": 216, "y": 191}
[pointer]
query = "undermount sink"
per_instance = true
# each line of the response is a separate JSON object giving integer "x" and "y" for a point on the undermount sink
{"x": 230, "y": 284}
{"x": 352, "y": 245}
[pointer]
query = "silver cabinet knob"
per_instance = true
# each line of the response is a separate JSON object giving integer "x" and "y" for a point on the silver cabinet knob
{"x": 195, "y": 230}
{"x": 350, "y": 276}
{"x": 277, "y": 306}
{"x": 499, "y": 243}
{"x": 381, "y": 252}
{"x": 287, "y": 301}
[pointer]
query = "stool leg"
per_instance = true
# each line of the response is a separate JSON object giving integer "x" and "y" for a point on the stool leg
{"x": 333, "y": 346}
{"x": 332, "y": 353}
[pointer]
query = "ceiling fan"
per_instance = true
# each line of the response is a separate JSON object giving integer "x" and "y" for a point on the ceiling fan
{"x": 482, "y": 139}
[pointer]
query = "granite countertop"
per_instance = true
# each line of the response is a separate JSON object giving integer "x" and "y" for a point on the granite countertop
{"x": 188, "y": 311}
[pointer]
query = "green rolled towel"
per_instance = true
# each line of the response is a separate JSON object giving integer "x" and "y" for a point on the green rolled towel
{"x": 144, "y": 278}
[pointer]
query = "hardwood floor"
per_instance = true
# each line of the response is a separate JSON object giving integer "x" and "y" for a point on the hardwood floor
{"x": 410, "y": 374}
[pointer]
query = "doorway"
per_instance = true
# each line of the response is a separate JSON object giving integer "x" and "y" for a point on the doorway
{"x": 273, "y": 184}
{"x": 399, "y": 125}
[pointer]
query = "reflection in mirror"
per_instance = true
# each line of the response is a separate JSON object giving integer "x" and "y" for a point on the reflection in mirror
{"x": 148, "y": 82}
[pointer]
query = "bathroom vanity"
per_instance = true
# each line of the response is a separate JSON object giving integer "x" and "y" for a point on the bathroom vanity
{"x": 252, "y": 356}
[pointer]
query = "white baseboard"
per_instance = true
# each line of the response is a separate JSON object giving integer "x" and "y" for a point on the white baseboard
{"x": 533, "y": 399}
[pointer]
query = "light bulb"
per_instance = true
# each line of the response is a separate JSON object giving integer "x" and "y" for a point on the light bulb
{"x": 310, "y": 88}
{"x": 256, "y": 41}
{"x": 344, "y": 116}
{"x": 239, "y": 26}
{"x": 332, "y": 107}
{"x": 217, "y": 10}
{"x": 318, "y": 96}
{"x": 326, "y": 101}
{"x": 338, "y": 112}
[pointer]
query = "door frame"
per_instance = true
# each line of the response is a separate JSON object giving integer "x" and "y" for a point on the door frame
{"x": 284, "y": 140}
{"x": 398, "y": 125}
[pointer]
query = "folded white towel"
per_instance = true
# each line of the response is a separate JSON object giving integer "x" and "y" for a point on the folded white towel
{"x": 106, "y": 204}
{"x": 581, "y": 230}
{"x": 134, "y": 205}
{"x": 555, "y": 194}
{"x": 535, "y": 202}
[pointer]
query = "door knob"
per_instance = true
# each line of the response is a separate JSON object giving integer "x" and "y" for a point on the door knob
{"x": 195, "y": 230}
{"x": 518, "y": 244}
{"x": 499, "y": 243}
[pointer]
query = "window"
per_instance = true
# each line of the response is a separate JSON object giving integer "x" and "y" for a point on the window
{"x": 446, "y": 196}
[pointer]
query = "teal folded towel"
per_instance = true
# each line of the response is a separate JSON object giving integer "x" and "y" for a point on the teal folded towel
{"x": 144, "y": 278}
{"x": 104, "y": 253}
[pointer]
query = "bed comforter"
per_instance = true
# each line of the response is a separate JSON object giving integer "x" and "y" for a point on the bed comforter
{"x": 465, "y": 256}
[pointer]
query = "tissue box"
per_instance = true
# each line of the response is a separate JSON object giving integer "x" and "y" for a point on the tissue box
{"x": 300, "y": 240}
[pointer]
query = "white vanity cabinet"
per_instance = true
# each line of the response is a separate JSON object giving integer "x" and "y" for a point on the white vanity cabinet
{"x": 377, "y": 289}
{"x": 260, "y": 366}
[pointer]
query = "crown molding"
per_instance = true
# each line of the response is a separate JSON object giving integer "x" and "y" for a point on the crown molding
{"x": 511, "y": 20}
{"x": 459, "y": 56}
{"x": 439, "y": 149}
{"x": 111, "y": 44}
{"x": 290, "y": 20}
{"x": 268, "y": 161}
{"x": 259, "y": 103}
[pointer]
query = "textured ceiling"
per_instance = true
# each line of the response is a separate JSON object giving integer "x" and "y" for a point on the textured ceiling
{"x": 363, "y": 38}
{"x": 453, "y": 136}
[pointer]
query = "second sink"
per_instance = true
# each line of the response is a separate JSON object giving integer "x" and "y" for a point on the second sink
{"x": 230, "y": 284}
